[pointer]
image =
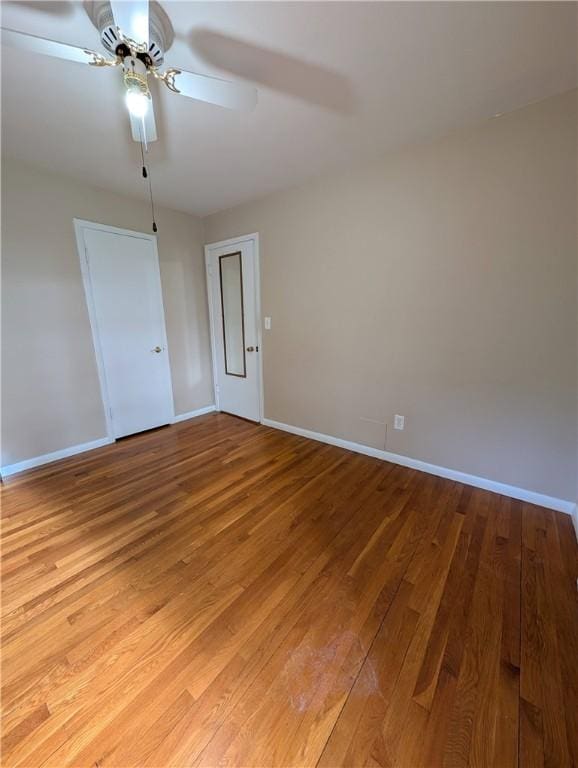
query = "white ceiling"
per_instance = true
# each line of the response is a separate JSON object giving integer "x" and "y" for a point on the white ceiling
{"x": 338, "y": 82}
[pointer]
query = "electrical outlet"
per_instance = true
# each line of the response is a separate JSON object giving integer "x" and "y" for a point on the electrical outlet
{"x": 267, "y": 323}
{"x": 398, "y": 421}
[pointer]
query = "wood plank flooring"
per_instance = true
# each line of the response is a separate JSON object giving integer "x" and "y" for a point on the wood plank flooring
{"x": 217, "y": 593}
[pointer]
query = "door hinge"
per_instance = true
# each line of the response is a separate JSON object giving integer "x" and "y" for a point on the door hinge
{"x": 110, "y": 412}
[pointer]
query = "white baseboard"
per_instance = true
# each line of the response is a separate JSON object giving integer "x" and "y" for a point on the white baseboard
{"x": 193, "y": 414}
{"x": 532, "y": 497}
{"x": 47, "y": 458}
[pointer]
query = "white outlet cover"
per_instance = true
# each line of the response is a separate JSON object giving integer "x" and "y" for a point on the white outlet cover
{"x": 398, "y": 421}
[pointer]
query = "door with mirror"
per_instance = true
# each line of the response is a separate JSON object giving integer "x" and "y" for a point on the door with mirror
{"x": 232, "y": 279}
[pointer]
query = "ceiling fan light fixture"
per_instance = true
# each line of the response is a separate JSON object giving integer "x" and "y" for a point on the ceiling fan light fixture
{"x": 138, "y": 95}
{"x": 137, "y": 102}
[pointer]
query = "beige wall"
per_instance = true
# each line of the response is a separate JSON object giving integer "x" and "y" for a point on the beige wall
{"x": 439, "y": 283}
{"x": 50, "y": 391}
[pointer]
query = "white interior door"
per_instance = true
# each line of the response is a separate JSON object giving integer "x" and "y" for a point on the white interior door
{"x": 124, "y": 293}
{"x": 232, "y": 278}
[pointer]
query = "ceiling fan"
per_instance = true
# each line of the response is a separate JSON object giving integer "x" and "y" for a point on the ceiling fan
{"x": 136, "y": 35}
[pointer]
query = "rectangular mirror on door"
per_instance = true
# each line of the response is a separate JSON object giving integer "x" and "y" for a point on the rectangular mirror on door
{"x": 231, "y": 277}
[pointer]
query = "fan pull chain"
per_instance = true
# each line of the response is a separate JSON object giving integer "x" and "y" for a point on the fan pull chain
{"x": 146, "y": 175}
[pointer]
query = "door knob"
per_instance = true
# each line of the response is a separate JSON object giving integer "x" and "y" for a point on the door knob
{"x": 156, "y": 349}
{"x": 250, "y": 349}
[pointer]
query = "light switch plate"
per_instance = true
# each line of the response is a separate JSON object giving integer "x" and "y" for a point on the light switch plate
{"x": 267, "y": 323}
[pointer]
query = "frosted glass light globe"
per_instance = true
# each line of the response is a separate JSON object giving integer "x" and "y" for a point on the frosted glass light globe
{"x": 137, "y": 103}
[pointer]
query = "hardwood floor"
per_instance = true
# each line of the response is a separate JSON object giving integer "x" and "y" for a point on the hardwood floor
{"x": 220, "y": 593}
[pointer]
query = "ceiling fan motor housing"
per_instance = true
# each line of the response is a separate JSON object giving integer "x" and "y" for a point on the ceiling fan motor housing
{"x": 161, "y": 34}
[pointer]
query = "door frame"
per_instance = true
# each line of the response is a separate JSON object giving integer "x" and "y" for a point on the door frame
{"x": 80, "y": 225}
{"x": 235, "y": 241}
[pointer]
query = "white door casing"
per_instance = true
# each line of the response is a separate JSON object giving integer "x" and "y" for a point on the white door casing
{"x": 123, "y": 291}
{"x": 234, "y": 309}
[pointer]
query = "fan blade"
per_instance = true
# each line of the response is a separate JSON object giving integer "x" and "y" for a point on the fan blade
{"x": 144, "y": 129}
{"x": 26, "y": 42}
{"x": 132, "y": 18}
{"x": 212, "y": 89}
